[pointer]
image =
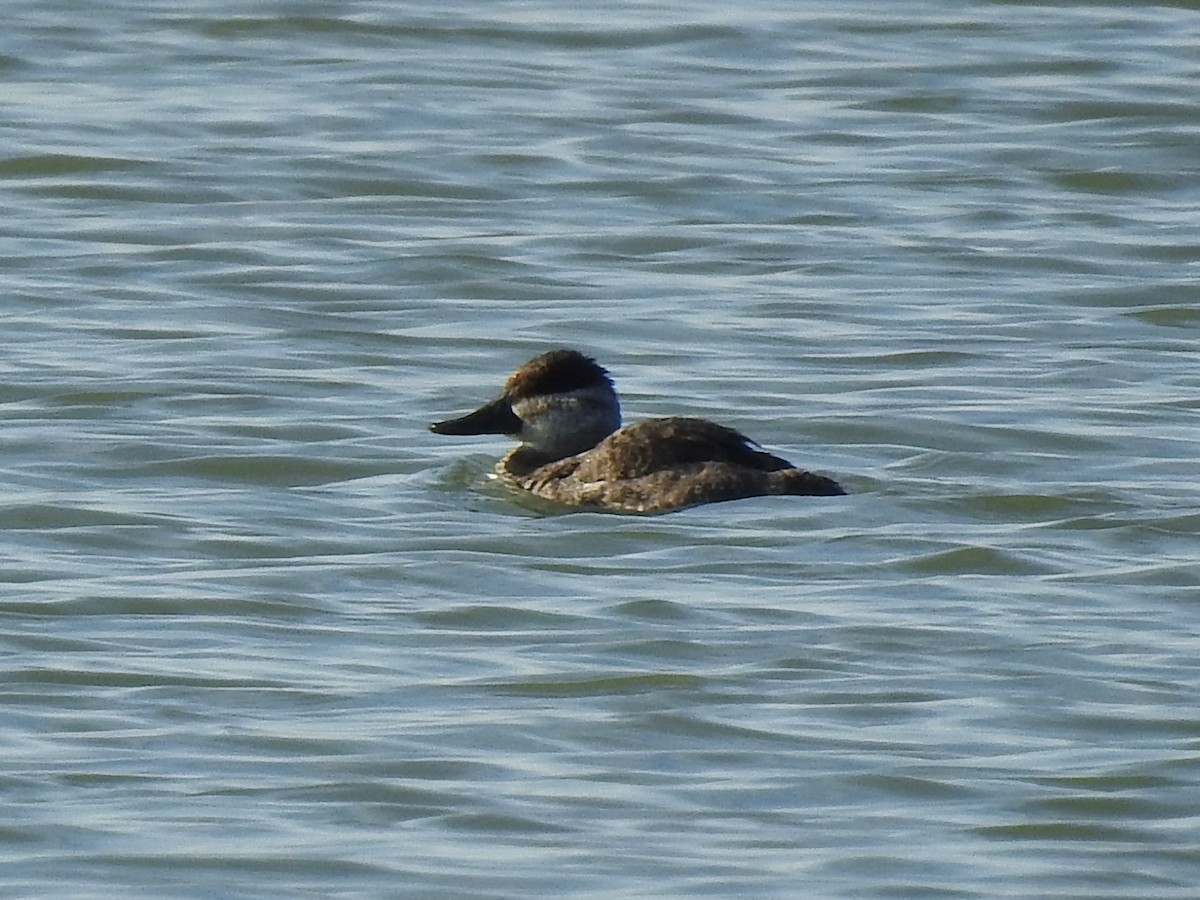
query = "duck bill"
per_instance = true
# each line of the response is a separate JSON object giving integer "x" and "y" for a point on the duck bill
{"x": 496, "y": 417}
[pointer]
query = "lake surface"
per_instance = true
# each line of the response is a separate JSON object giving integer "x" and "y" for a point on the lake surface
{"x": 265, "y": 636}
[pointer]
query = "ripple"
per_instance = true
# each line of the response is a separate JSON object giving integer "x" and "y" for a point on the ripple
{"x": 253, "y": 606}
{"x": 600, "y": 686}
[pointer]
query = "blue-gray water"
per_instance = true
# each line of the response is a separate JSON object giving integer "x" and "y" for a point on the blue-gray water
{"x": 265, "y": 636}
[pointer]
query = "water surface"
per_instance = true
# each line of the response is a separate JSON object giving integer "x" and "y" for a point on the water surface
{"x": 264, "y": 635}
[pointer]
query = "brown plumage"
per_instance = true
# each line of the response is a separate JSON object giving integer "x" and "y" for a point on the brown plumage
{"x": 563, "y": 408}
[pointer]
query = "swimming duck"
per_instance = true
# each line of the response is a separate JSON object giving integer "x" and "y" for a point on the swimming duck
{"x": 563, "y": 409}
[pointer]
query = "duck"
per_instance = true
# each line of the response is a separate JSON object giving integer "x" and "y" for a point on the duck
{"x": 573, "y": 451}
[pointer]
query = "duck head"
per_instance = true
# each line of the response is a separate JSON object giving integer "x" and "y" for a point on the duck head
{"x": 557, "y": 405}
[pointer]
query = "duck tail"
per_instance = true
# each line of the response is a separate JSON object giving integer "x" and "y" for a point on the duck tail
{"x": 798, "y": 481}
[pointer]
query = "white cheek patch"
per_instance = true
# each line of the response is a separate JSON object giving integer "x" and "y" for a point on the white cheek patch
{"x": 549, "y": 419}
{"x": 542, "y": 418}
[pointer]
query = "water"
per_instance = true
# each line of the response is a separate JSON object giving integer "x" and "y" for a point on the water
{"x": 264, "y": 635}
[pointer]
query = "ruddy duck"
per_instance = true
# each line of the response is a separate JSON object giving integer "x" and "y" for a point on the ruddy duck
{"x": 563, "y": 409}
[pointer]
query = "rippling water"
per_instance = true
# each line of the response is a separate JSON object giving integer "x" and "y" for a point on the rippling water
{"x": 265, "y": 636}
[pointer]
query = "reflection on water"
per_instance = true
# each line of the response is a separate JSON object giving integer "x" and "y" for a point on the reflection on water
{"x": 268, "y": 636}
